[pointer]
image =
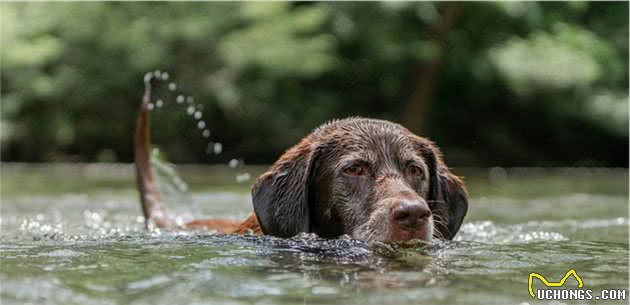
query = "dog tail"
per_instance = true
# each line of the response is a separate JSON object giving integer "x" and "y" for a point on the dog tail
{"x": 152, "y": 207}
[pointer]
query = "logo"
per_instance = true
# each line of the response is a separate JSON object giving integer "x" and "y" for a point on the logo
{"x": 553, "y": 284}
{"x": 552, "y": 292}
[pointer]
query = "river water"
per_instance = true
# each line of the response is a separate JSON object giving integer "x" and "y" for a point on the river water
{"x": 72, "y": 234}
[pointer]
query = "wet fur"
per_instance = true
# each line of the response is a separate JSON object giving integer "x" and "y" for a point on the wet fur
{"x": 304, "y": 190}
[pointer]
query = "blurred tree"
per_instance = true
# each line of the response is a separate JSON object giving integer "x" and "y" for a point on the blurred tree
{"x": 497, "y": 83}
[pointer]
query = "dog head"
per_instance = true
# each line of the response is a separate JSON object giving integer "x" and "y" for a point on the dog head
{"x": 371, "y": 179}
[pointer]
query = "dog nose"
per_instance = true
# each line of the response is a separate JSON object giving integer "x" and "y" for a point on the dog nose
{"x": 410, "y": 214}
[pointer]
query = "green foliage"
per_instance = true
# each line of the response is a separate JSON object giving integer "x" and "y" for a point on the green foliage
{"x": 520, "y": 83}
{"x": 566, "y": 58}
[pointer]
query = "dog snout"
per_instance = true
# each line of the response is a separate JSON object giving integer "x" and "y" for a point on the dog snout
{"x": 410, "y": 214}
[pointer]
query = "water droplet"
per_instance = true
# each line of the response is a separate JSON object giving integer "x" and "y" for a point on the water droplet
{"x": 179, "y": 99}
{"x": 164, "y": 75}
{"x": 159, "y": 103}
{"x": 233, "y": 163}
{"x": 190, "y": 110}
{"x": 206, "y": 133}
{"x": 172, "y": 86}
{"x": 218, "y": 148}
{"x": 497, "y": 175}
{"x": 150, "y": 106}
{"x": 190, "y": 99}
{"x": 201, "y": 124}
{"x": 242, "y": 177}
{"x": 198, "y": 115}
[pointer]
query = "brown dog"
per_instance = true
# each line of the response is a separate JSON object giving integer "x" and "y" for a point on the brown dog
{"x": 371, "y": 179}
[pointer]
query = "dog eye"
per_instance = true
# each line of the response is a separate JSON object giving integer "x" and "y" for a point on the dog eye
{"x": 414, "y": 170}
{"x": 355, "y": 170}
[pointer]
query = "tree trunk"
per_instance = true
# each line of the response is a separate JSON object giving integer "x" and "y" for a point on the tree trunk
{"x": 418, "y": 107}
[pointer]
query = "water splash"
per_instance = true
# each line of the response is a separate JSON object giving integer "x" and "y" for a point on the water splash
{"x": 217, "y": 148}
{"x": 233, "y": 163}
{"x": 244, "y": 177}
{"x": 173, "y": 189}
{"x": 192, "y": 109}
{"x": 489, "y": 232}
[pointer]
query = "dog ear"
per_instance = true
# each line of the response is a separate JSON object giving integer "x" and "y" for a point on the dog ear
{"x": 280, "y": 196}
{"x": 447, "y": 196}
{"x": 454, "y": 194}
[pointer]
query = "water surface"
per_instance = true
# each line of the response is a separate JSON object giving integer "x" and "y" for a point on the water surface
{"x": 72, "y": 234}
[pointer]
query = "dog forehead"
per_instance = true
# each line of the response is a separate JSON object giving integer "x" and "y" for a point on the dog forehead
{"x": 368, "y": 139}
{"x": 361, "y": 129}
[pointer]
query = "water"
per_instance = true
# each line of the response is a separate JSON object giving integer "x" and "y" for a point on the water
{"x": 72, "y": 234}
{"x": 155, "y": 80}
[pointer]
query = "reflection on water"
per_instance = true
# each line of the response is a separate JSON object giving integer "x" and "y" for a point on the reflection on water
{"x": 68, "y": 239}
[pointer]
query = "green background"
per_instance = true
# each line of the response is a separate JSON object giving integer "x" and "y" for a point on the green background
{"x": 497, "y": 83}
